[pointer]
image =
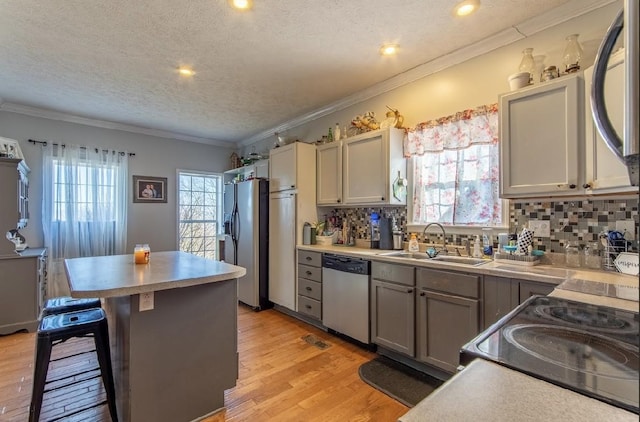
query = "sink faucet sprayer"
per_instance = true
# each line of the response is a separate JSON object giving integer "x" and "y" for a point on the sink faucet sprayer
{"x": 444, "y": 240}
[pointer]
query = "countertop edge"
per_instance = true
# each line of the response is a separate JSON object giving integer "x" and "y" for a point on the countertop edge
{"x": 539, "y": 273}
{"x": 128, "y": 291}
{"x": 494, "y": 392}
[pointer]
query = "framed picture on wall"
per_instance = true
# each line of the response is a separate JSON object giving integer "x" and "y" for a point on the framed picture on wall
{"x": 149, "y": 189}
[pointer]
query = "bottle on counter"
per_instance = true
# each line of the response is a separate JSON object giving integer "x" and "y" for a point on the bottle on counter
{"x": 147, "y": 253}
{"x": 477, "y": 252}
{"x": 572, "y": 254}
{"x": 413, "y": 243}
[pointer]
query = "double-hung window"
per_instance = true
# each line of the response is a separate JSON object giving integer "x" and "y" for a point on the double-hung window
{"x": 199, "y": 211}
{"x": 454, "y": 166}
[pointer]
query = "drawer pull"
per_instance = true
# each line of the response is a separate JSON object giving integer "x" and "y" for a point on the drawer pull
{"x": 307, "y": 306}
{"x": 423, "y": 294}
{"x": 309, "y": 272}
{"x": 409, "y": 290}
{"x": 308, "y": 258}
{"x": 308, "y": 288}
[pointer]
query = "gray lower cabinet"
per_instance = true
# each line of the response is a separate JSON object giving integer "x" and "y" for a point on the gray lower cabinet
{"x": 531, "y": 288}
{"x": 502, "y": 294}
{"x": 310, "y": 284}
{"x": 448, "y": 315}
{"x": 22, "y": 290}
{"x": 393, "y": 307}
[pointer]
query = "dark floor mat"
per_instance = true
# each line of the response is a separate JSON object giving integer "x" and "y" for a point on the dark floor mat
{"x": 399, "y": 381}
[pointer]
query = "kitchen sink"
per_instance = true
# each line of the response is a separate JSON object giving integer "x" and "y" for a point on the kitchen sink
{"x": 466, "y": 260}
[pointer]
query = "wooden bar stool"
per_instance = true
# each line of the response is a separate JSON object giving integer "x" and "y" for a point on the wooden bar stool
{"x": 61, "y": 305}
{"x": 56, "y": 329}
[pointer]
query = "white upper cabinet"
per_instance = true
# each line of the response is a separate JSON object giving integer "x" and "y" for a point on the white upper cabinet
{"x": 371, "y": 163}
{"x": 604, "y": 172}
{"x": 540, "y": 129}
{"x": 292, "y": 166}
{"x": 329, "y": 173}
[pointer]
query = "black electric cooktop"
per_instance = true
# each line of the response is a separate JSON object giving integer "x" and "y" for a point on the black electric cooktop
{"x": 587, "y": 348}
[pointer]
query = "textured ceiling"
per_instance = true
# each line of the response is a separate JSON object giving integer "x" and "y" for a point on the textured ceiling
{"x": 116, "y": 60}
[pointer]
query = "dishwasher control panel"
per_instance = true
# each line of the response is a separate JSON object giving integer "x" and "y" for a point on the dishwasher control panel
{"x": 346, "y": 264}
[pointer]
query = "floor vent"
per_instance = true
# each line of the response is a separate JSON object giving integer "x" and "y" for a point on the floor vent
{"x": 315, "y": 341}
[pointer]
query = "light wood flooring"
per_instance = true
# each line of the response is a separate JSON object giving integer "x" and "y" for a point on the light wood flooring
{"x": 282, "y": 377}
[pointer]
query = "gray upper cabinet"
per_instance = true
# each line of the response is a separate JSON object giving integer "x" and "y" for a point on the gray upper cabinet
{"x": 14, "y": 208}
{"x": 393, "y": 307}
{"x": 447, "y": 315}
{"x": 329, "y": 178}
{"x": 540, "y": 131}
{"x": 371, "y": 163}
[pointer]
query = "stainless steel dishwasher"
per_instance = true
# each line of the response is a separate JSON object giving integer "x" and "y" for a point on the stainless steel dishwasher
{"x": 345, "y": 295}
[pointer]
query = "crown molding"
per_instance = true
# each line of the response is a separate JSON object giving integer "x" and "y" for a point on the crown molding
{"x": 556, "y": 16}
{"x": 105, "y": 124}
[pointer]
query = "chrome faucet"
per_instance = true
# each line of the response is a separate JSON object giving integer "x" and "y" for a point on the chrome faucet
{"x": 444, "y": 239}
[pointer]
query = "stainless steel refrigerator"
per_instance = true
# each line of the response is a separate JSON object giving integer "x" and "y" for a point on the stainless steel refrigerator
{"x": 246, "y": 229}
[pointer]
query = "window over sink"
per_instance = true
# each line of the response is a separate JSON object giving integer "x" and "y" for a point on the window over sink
{"x": 454, "y": 170}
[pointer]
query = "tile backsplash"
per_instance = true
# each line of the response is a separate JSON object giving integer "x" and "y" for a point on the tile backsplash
{"x": 580, "y": 220}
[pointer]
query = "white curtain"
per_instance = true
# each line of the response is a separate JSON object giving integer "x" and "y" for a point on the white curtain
{"x": 456, "y": 172}
{"x": 84, "y": 207}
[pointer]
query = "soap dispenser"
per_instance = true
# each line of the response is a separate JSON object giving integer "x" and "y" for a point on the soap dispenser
{"x": 477, "y": 252}
{"x": 413, "y": 243}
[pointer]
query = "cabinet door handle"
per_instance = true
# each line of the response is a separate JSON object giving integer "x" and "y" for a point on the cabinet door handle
{"x": 382, "y": 198}
{"x": 409, "y": 290}
{"x": 338, "y": 201}
{"x": 308, "y": 272}
{"x": 423, "y": 294}
{"x": 572, "y": 186}
{"x": 587, "y": 186}
{"x": 293, "y": 186}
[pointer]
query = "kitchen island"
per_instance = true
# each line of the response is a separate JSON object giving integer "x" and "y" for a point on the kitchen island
{"x": 173, "y": 330}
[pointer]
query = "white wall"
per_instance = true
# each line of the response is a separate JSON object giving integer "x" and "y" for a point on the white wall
{"x": 147, "y": 223}
{"x": 467, "y": 85}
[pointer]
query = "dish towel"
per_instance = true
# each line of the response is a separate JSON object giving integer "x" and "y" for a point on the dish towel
{"x": 525, "y": 240}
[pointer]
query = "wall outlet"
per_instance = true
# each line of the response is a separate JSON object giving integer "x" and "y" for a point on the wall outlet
{"x": 541, "y": 228}
{"x": 146, "y": 302}
{"x": 629, "y": 226}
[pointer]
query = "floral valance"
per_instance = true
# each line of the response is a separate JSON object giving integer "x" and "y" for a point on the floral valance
{"x": 458, "y": 131}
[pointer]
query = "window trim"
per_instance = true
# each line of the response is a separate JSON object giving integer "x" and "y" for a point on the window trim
{"x": 219, "y": 199}
{"x": 450, "y": 229}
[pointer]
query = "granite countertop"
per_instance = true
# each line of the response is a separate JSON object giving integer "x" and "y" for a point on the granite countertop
{"x": 541, "y": 273}
{"x": 117, "y": 275}
{"x": 486, "y": 391}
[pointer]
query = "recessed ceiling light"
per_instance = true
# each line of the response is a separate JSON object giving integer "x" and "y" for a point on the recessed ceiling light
{"x": 389, "y": 49}
{"x": 466, "y": 8}
{"x": 186, "y": 71}
{"x": 241, "y": 4}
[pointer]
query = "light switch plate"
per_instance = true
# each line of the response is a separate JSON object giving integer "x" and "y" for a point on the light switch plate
{"x": 146, "y": 302}
{"x": 629, "y": 226}
{"x": 541, "y": 228}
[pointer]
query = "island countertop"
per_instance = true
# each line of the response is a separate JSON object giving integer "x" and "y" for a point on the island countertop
{"x": 118, "y": 275}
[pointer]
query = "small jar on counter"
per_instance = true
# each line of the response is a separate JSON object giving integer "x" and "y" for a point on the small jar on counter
{"x": 139, "y": 255}
{"x": 592, "y": 257}
{"x": 572, "y": 254}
